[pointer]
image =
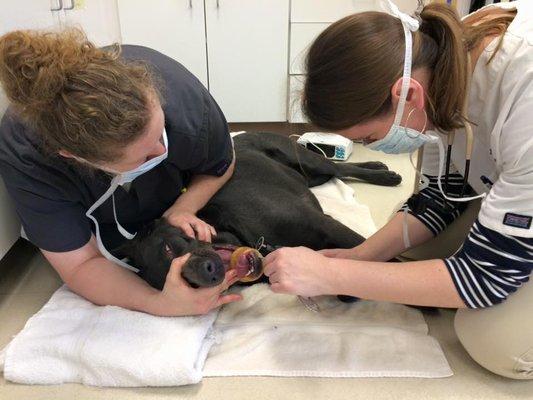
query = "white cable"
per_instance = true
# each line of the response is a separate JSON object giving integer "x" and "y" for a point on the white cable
{"x": 319, "y": 149}
{"x": 441, "y": 166}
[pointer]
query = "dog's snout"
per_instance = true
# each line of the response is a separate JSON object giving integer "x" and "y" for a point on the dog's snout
{"x": 209, "y": 268}
{"x": 204, "y": 270}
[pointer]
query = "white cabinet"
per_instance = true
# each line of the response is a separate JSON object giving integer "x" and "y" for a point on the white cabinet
{"x": 327, "y": 11}
{"x": 176, "y": 28}
{"x": 247, "y": 48}
{"x": 302, "y": 35}
{"x": 237, "y": 48}
{"x": 308, "y": 19}
{"x": 96, "y": 17}
{"x": 34, "y": 14}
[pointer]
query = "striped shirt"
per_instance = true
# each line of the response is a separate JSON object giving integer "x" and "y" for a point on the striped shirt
{"x": 490, "y": 265}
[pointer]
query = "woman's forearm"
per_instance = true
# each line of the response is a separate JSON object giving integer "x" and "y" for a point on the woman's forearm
{"x": 424, "y": 283}
{"x": 105, "y": 283}
{"x": 200, "y": 191}
{"x": 388, "y": 242}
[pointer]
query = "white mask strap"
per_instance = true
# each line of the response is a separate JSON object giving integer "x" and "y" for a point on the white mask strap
{"x": 409, "y": 25}
{"x": 120, "y": 228}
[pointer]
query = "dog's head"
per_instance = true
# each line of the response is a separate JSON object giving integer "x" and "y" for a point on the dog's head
{"x": 156, "y": 245}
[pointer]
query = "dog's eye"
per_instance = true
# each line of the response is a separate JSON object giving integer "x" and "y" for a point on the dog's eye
{"x": 168, "y": 251}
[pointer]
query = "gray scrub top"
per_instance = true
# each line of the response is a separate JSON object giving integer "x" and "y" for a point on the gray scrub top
{"x": 52, "y": 194}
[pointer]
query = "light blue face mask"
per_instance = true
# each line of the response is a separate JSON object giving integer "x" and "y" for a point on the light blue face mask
{"x": 401, "y": 139}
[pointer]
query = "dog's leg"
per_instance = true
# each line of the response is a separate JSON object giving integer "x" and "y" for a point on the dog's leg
{"x": 337, "y": 235}
{"x": 375, "y": 176}
{"x": 318, "y": 170}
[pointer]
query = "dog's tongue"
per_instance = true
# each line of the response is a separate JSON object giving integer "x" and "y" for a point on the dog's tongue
{"x": 241, "y": 259}
{"x": 246, "y": 261}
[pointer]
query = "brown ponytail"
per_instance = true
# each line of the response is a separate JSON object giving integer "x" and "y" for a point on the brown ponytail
{"x": 352, "y": 65}
{"x": 446, "y": 92}
{"x": 77, "y": 97}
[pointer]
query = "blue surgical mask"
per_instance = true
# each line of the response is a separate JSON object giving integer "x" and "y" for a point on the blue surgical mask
{"x": 400, "y": 139}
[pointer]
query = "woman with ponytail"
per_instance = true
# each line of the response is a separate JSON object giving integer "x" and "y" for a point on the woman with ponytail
{"x": 96, "y": 143}
{"x": 397, "y": 83}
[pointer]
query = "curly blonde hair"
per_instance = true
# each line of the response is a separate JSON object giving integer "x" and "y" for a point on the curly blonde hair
{"x": 77, "y": 97}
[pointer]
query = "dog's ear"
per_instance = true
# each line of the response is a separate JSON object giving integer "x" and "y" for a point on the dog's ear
{"x": 132, "y": 249}
{"x": 129, "y": 249}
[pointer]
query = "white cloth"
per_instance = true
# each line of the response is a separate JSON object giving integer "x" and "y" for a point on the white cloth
{"x": 500, "y": 104}
{"x": 275, "y": 335}
{"x": 73, "y": 340}
{"x": 337, "y": 200}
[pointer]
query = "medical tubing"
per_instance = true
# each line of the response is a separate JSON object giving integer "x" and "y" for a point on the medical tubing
{"x": 439, "y": 183}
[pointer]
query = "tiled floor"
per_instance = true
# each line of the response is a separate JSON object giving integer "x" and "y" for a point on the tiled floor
{"x": 27, "y": 281}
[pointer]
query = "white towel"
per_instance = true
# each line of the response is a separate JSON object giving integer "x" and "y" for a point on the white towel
{"x": 73, "y": 340}
{"x": 275, "y": 335}
{"x": 337, "y": 200}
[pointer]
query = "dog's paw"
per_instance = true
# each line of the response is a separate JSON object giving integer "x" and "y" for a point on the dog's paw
{"x": 387, "y": 178}
{"x": 376, "y": 165}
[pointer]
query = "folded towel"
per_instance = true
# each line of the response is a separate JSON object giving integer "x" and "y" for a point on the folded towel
{"x": 337, "y": 200}
{"x": 275, "y": 335}
{"x": 73, "y": 340}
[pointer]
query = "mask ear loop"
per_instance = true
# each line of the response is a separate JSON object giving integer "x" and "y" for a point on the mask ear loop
{"x": 407, "y": 120}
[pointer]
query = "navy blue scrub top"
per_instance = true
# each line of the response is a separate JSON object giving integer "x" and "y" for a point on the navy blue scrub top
{"x": 52, "y": 194}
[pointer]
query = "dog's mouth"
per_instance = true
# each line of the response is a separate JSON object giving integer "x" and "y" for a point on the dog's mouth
{"x": 246, "y": 261}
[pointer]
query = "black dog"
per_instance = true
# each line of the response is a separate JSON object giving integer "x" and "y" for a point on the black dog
{"x": 268, "y": 196}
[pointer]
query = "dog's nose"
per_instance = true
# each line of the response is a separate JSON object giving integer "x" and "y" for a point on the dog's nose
{"x": 211, "y": 271}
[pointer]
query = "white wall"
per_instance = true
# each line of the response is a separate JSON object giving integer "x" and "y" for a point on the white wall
{"x": 9, "y": 224}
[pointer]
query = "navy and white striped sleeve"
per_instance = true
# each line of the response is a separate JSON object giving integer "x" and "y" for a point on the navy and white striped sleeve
{"x": 490, "y": 266}
{"x": 439, "y": 213}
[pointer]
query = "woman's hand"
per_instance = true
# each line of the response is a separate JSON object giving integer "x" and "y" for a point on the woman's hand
{"x": 300, "y": 271}
{"x": 177, "y": 298}
{"x": 189, "y": 224}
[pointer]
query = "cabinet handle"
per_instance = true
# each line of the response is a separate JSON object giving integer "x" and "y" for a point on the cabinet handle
{"x": 59, "y": 6}
{"x": 72, "y": 5}
{"x": 218, "y": 3}
{"x": 190, "y": 3}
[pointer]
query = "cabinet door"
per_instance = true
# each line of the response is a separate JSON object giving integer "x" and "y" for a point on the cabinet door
{"x": 98, "y": 18}
{"x": 328, "y": 11}
{"x": 173, "y": 27}
{"x": 247, "y": 45}
{"x": 302, "y": 36}
{"x": 30, "y": 14}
